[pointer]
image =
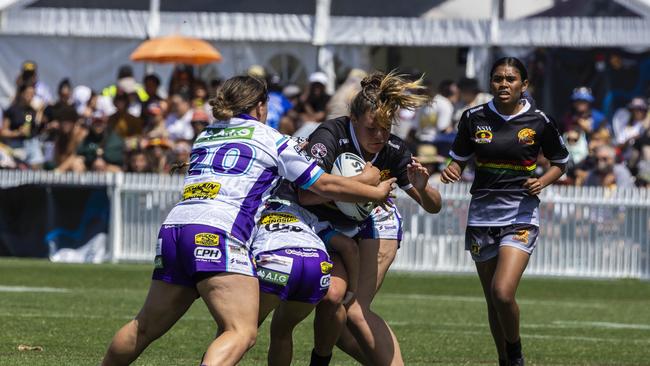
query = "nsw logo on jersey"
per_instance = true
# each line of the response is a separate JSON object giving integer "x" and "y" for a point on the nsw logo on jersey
{"x": 228, "y": 133}
{"x": 483, "y": 135}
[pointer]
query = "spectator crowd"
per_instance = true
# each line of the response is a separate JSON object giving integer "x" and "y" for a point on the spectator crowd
{"x": 147, "y": 127}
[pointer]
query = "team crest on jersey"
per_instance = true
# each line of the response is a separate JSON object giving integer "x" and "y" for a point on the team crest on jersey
{"x": 483, "y": 135}
{"x": 384, "y": 174}
{"x": 318, "y": 150}
{"x": 526, "y": 136}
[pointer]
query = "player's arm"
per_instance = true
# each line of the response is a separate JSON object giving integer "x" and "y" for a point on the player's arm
{"x": 336, "y": 188}
{"x": 461, "y": 152}
{"x": 370, "y": 175}
{"x": 428, "y": 197}
{"x": 556, "y": 152}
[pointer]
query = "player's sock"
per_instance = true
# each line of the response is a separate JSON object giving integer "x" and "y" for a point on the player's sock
{"x": 514, "y": 350}
{"x": 503, "y": 362}
{"x": 317, "y": 360}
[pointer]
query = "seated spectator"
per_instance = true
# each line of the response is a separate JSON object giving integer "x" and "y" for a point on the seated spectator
{"x": 156, "y": 114}
{"x": 19, "y": 127}
{"x": 178, "y": 121}
{"x": 68, "y": 138}
{"x": 157, "y": 151}
{"x": 138, "y": 162}
{"x": 629, "y": 123}
{"x": 313, "y": 103}
{"x": 582, "y": 115}
{"x": 103, "y": 148}
{"x": 122, "y": 122}
{"x": 607, "y": 173}
{"x": 151, "y": 86}
{"x": 200, "y": 121}
{"x": 65, "y": 100}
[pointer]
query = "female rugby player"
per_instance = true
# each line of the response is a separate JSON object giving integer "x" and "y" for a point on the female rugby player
{"x": 366, "y": 132}
{"x": 203, "y": 244}
{"x": 504, "y": 137}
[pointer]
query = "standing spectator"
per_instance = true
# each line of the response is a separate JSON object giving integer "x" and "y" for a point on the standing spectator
{"x": 122, "y": 122}
{"x": 151, "y": 86}
{"x": 19, "y": 127}
{"x": 178, "y": 122}
{"x": 125, "y": 81}
{"x": 29, "y": 76}
{"x": 629, "y": 123}
{"x": 470, "y": 95}
{"x": 607, "y": 173}
{"x": 436, "y": 118}
{"x": 582, "y": 113}
{"x": 339, "y": 104}
{"x": 278, "y": 106}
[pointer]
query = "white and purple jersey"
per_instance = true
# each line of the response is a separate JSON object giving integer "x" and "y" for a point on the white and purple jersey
{"x": 234, "y": 168}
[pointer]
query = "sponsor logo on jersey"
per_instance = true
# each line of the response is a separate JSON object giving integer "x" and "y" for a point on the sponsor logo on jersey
{"x": 271, "y": 276}
{"x": 325, "y": 281}
{"x": 318, "y": 150}
{"x": 209, "y": 254}
{"x": 277, "y": 227}
{"x": 228, "y": 133}
{"x": 526, "y": 136}
{"x": 238, "y": 258}
{"x": 343, "y": 142}
{"x": 475, "y": 248}
{"x": 325, "y": 267}
{"x": 392, "y": 144}
{"x": 302, "y": 253}
{"x": 521, "y": 235}
{"x": 302, "y": 152}
{"x": 201, "y": 191}
{"x": 483, "y": 135}
{"x": 206, "y": 239}
{"x": 278, "y": 218}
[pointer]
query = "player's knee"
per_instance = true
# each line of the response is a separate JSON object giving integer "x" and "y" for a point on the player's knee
{"x": 248, "y": 337}
{"x": 336, "y": 292}
{"x": 502, "y": 296}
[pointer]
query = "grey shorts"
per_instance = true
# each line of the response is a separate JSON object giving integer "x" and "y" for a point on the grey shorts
{"x": 483, "y": 242}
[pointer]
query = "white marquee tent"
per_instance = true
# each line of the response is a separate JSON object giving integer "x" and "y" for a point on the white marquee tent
{"x": 87, "y": 41}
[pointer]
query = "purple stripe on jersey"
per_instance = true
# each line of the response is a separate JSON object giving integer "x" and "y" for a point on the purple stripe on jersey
{"x": 246, "y": 116}
{"x": 306, "y": 175}
{"x": 245, "y": 220}
{"x": 283, "y": 146}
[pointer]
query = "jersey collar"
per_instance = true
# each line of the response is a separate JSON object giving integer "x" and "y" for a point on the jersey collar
{"x": 356, "y": 143}
{"x": 512, "y": 116}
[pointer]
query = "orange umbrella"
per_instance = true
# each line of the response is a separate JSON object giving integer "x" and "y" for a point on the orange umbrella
{"x": 176, "y": 49}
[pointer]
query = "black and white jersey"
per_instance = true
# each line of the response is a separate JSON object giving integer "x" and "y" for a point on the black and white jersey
{"x": 505, "y": 149}
{"x": 335, "y": 137}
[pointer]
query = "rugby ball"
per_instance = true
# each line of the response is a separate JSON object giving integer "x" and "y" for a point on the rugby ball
{"x": 349, "y": 165}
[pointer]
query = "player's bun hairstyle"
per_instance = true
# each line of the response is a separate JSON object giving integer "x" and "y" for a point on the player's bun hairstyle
{"x": 385, "y": 94}
{"x": 238, "y": 95}
{"x": 513, "y": 62}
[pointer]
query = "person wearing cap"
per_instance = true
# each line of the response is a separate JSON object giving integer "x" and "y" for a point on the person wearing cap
{"x": 629, "y": 123}
{"x": 155, "y": 113}
{"x": 582, "y": 113}
{"x": 29, "y": 76}
{"x": 200, "y": 121}
{"x": 126, "y": 82}
{"x": 313, "y": 103}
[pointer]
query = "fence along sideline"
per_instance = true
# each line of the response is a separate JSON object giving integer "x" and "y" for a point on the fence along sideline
{"x": 585, "y": 231}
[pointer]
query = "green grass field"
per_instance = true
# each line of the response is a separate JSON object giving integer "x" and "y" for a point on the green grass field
{"x": 439, "y": 319}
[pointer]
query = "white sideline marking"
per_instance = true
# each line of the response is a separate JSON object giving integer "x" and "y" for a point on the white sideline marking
{"x": 481, "y": 299}
{"x": 606, "y": 325}
{"x": 31, "y": 289}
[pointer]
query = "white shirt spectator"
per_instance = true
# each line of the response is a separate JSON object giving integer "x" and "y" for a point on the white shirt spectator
{"x": 180, "y": 128}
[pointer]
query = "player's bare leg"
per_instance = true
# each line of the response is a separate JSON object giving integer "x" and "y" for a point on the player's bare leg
{"x": 486, "y": 274}
{"x": 285, "y": 318}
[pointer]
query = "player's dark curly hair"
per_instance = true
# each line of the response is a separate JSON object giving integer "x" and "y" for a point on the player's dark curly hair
{"x": 384, "y": 94}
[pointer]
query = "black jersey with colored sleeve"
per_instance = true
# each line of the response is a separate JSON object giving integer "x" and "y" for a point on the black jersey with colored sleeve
{"x": 505, "y": 150}
{"x": 336, "y": 136}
